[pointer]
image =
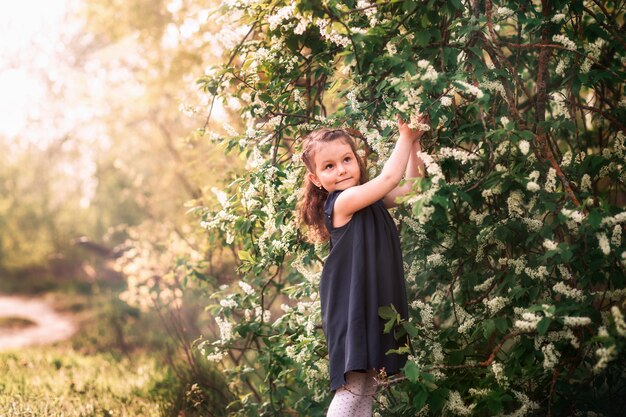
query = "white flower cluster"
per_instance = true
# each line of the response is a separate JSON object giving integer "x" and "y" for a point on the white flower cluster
{"x": 479, "y": 392}
{"x": 225, "y": 327}
{"x": 528, "y": 322}
{"x": 603, "y": 243}
{"x": 215, "y": 356}
{"x": 558, "y": 336}
{"x": 519, "y": 264}
{"x": 460, "y": 155}
{"x": 472, "y": 89}
{"x": 515, "y": 204}
{"x": 466, "y": 320}
{"x": 258, "y": 314}
{"x": 495, "y": 86}
{"x": 567, "y": 159}
{"x": 540, "y": 273}
{"x": 303, "y": 24}
{"x": 524, "y": 146}
{"x": 605, "y": 355}
{"x": 312, "y": 276}
{"x": 550, "y": 244}
{"x": 559, "y": 108}
{"x": 228, "y": 302}
{"x": 280, "y": 15}
{"x": 564, "y": 289}
{"x": 533, "y": 225}
{"x": 375, "y": 140}
{"x": 591, "y": 50}
{"x": 616, "y": 236}
{"x": 496, "y": 304}
{"x": 558, "y": 18}
{"x": 498, "y": 372}
{"x": 574, "y": 215}
{"x": 503, "y": 12}
{"x": 429, "y": 72}
{"x": 532, "y": 186}
{"x": 551, "y": 356}
{"x": 435, "y": 260}
{"x": 551, "y": 180}
{"x": 369, "y": 11}
{"x": 478, "y": 218}
{"x": 445, "y": 101}
{"x": 329, "y": 33}
{"x": 314, "y": 375}
{"x": 613, "y": 220}
{"x": 526, "y": 407}
{"x": 247, "y": 288}
{"x": 585, "y": 183}
{"x": 426, "y": 313}
{"x": 353, "y": 99}
{"x": 576, "y": 321}
{"x": 414, "y": 123}
{"x": 434, "y": 172}
{"x": 618, "y": 318}
{"x": 456, "y": 406}
{"x": 565, "y": 41}
{"x": 484, "y": 285}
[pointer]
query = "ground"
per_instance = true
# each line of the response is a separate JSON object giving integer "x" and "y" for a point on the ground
{"x": 47, "y": 327}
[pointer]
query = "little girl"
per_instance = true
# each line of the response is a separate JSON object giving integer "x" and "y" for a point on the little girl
{"x": 364, "y": 269}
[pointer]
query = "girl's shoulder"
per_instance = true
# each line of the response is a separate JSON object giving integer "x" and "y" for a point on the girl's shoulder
{"x": 330, "y": 202}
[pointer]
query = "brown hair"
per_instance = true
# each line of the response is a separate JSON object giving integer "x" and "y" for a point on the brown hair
{"x": 311, "y": 206}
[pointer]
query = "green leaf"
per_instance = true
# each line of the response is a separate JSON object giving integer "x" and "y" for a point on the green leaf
{"x": 594, "y": 218}
{"x": 419, "y": 399}
{"x": 245, "y": 256}
{"x": 389, "y": 326}
{"x": 387, "y": 312}
{"x": 410, "y": 328}
{"x": 501, "y": 324}
{"x": 543, "y": 325}
{"x": 456, "y": 357}
{"x": 488, "y": 327}
{"x": 411, "y": 371}
{"x": 422, "y": 38}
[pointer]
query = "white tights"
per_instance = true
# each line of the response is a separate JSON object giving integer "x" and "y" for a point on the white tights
{"x": 355, "y": 398}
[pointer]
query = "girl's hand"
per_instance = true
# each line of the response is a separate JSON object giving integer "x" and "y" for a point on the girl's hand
{"x": 412, "y": 134}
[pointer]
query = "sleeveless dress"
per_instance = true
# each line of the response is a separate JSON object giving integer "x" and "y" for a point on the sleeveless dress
{"x": 364, "y": 271}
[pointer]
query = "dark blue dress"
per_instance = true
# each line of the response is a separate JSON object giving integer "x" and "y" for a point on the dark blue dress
{"x": 363, "y": 271}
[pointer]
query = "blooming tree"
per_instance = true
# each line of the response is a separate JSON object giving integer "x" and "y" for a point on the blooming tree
{"x": 513, "y": 247}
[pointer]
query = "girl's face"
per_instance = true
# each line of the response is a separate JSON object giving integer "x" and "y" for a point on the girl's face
{"x": 336, "y": 166}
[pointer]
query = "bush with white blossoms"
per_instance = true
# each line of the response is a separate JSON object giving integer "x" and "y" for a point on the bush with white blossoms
{"x": 512, "y": 242}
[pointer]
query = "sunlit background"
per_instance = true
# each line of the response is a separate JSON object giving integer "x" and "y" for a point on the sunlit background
{"x": 100, "y": 160}
{"x": 29, "y": 45}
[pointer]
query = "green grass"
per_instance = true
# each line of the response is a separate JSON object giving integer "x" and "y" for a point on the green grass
{"x": 122, "y": 362}
{"x": 62, "y": 382}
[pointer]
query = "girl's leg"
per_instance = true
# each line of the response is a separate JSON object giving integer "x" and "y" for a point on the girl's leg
{"x": 355, "y": 398}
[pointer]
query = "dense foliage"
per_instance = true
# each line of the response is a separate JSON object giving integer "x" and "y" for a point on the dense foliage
{"x": 513, "y": 243}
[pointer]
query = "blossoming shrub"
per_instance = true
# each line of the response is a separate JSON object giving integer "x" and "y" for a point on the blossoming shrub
{"x": 513, "y": 247}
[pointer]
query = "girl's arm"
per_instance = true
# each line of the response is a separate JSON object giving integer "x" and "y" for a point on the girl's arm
{"x": 355, "y": 198}
{"x": 414, "y": 169}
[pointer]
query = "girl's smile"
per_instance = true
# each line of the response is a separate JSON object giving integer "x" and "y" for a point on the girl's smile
{"x": 336, "y": 167}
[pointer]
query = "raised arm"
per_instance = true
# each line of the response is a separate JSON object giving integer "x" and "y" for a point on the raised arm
{"x": 414, "y": 169}
{"x": 355, "y": 198}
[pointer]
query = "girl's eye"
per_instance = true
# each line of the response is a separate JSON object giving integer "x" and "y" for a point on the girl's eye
{"x": 348, "y": 159}
{"x": 329, "y": 166}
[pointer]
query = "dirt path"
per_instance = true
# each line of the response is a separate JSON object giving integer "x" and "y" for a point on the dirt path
{"x": 50, "y": 326}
